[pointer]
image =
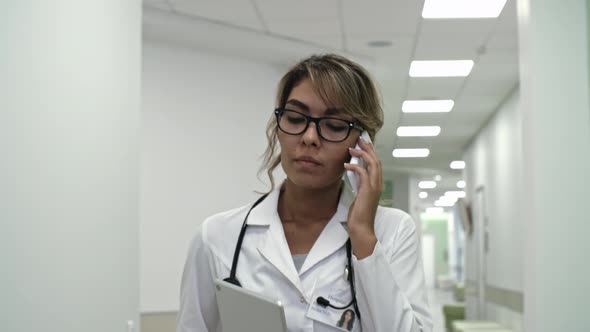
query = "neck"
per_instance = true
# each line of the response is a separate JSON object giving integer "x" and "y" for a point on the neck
{"x": 309, "y": 205}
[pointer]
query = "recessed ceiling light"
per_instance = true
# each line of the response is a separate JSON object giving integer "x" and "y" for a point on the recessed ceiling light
{"x": 458, "y": 164}
{"x": 423, "y": 194}
{"x": 418, "y": 131}
{"x": 427, "y": 184}
{"x": 461, "y": 184}
{"x": 379, "y": 43}
{"x": 427, "y": 106}
{"x": 450, "y": 197}
{"x": 434, "y": 210}
{"x": 443, "y": 203}
{"x": 442, "y": 68}
{"x": 411, "y": 153}
{"x": 462, "y": 8}
{"x": 459, "y": 194}
{"x": 446, "y": 201}
{"x": 437, "y": 178}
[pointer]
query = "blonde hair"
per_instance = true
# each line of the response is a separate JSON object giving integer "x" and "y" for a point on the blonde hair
{"x": 338, "y": 81}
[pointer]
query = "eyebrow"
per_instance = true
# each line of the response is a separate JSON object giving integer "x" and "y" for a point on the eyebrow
{"x": 303, "y": 106}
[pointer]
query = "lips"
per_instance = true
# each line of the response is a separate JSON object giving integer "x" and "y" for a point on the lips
{"x": 307, "y": 160}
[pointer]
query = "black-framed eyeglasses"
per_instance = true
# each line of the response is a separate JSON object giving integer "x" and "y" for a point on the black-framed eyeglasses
{"x": 329, "y": 128}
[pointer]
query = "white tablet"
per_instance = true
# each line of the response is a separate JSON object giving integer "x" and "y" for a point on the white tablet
{"x": 242, "y": 310}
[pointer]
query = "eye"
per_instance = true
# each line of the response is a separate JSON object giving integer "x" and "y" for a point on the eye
{"x": 294, "y": 118}
{"x": 336, "y": 125}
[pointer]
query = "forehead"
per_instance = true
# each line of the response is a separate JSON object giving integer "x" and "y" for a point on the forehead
{"x": 306, "y": 97}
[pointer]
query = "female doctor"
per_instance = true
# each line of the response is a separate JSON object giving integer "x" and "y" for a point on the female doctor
{"x": 304, "y": 240}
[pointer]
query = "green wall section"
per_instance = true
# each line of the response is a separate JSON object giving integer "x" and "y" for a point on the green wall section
{"x": 436, "y": 225}
{"x": 387, "y": 194}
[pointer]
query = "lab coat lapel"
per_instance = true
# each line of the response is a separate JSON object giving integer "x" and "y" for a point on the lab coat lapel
{"x": 332, "y": 238}
{"x": 275, "y": 249}
{"x": 273, "y": 245}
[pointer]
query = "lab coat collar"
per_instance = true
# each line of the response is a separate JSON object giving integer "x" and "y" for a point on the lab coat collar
{"x": 266, "y": 212}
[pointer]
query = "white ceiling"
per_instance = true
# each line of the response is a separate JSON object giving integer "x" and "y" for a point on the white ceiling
{"x": 282, "y": 32}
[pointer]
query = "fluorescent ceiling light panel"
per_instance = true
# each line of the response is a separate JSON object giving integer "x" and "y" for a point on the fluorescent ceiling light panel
{"x": 458, "y": 164}
{"x": 434, "y": 210}
{"x": 427, "y": 184}
{"x": 418, "y": 131}
{"x": 411, "y": 153}
{"x": 428, "y": 106}
{"x": 423, "y": 194}
{"x": 461, "y": 184}
{"x": 462, "y": 8}
{"x": 441, "y": 68}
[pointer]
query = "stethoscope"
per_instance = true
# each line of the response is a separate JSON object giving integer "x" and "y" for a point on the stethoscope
{"x": 322, "y": 301}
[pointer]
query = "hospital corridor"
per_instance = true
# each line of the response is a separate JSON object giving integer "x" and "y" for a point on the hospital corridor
{"x": 282, "y": 166}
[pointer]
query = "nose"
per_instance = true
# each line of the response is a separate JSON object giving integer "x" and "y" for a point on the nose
{"x": 311, "y": 135}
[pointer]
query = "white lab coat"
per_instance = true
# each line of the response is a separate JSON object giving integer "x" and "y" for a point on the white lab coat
{"x": 389, "y": 284}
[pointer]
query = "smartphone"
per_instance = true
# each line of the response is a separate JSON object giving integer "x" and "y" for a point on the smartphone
{"x": 351, "y": 175}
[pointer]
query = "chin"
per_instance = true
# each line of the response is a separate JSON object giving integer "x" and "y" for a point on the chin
{"x": 306, "y": 181}
{"x": 311, "y": 181}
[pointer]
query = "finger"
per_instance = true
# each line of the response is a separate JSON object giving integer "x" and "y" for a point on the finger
{"x": 368, "y": 147}
{"x": 361, "y": 172}
{"x": 373, "y": 166}
{"x": 366, "y": 155}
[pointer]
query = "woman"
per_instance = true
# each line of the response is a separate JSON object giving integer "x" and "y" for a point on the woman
{"x": 346, "y": 320}
{"x": 301, "y": 236}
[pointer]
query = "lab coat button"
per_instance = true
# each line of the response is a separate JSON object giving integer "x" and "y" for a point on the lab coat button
{"x": 302, "y": 300}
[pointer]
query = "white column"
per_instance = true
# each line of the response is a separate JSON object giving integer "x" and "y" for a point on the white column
{"x": 69, "y": 127}
{"x": 553, "y": 42}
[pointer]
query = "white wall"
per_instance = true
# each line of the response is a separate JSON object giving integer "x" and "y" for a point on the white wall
{"x": 505, "y": 315}
{"x": 494, "y": 162}
{"x": 69, "y": 165}
{"x": 204, "y": 118}
{"x": 452, "y": 246}
{"x": 428, "y": 259}
{"x": 414, "y": 203}
{"x": 556, "y": 137}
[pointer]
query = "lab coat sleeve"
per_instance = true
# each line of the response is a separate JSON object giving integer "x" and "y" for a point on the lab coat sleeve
{"x": 198, "y": 305}
{"x": 390, "y": 285}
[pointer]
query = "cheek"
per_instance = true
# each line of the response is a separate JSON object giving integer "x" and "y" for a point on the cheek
{"x": 345, "y": 154}
{"x": 345, "y": 157}
{"x": 282, "y": 141}
{"x": 340, "y": 157}
{"x": 286, "y": 140}
{"x": 285, "y": 143}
